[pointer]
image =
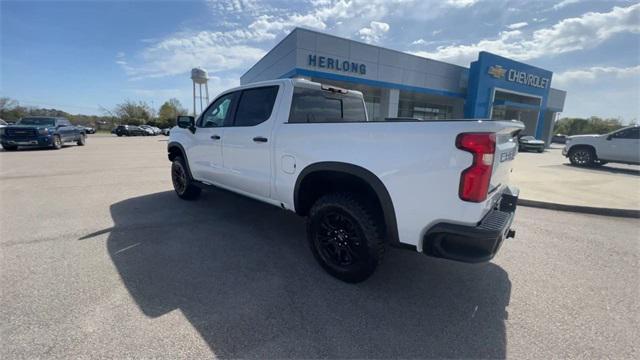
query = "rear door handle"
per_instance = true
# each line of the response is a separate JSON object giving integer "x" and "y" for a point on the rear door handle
{"x": 260, "y": 139}
{"x": 215, "y": 137}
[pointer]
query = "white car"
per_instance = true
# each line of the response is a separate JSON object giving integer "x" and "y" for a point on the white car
{"x": 149, "y": 131}
{"x": 620, "y": 146}
{"x": 440, "y": 188}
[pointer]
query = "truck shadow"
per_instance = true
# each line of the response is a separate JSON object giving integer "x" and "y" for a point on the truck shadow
{"x": 241, "y": 273}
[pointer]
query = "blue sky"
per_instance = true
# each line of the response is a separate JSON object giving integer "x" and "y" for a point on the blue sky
{"x": 80, "y": 56}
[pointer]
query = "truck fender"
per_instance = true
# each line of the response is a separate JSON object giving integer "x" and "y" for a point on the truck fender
{"x": 175, "y": 147}
{"x": 364, "y": 175}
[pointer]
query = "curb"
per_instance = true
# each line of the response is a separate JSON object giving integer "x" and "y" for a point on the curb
{"x": 625, "y": 213}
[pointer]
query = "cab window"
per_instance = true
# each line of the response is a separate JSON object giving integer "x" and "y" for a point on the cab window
{"x": 630, "y": 133}
{"x": 218, "y": 112}
{"x": 255, "y": 105}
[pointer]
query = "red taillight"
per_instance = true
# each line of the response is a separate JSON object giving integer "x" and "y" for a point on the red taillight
{"x": 474, "y": 181}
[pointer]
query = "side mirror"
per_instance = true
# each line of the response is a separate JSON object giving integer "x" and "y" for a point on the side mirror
{"x": 186, "y": 122}
{"x": 609, "y": 137}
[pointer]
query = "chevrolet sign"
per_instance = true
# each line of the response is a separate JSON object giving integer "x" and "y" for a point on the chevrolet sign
{"x": 520, "y": 77}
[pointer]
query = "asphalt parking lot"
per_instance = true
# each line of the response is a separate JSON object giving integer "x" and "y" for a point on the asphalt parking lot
{"x": 98, "y": 258}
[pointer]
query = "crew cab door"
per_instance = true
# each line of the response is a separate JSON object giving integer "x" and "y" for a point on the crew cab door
{"x": 205, "y": 156}
{"x": 247, "y": 142}
{"x": 66, "y": 130}
{"x": 623, "y": 145}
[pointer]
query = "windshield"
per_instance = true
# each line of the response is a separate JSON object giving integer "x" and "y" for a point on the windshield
{"x": 38, "y": 121}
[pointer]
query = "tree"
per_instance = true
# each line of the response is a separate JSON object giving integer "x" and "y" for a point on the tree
{"x": 169, "y": 111}
{"x": 133, "y": 113}
{"x": 592, "y": 125}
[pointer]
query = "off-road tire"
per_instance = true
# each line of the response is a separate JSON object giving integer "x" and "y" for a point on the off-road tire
{"x": 56, "y": 142}
{"x": 582, "y": 156}
{"x": 82, "y": 140}
{"x": 183, "y": 183}
{"x": 363, "y": 236}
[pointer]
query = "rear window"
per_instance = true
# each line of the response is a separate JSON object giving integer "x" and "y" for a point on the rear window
{"x": 318, "y": 106}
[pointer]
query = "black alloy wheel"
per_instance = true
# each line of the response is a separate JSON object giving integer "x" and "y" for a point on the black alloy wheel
{"x": 344, "y": 237}
{"x": 182, "y": 183}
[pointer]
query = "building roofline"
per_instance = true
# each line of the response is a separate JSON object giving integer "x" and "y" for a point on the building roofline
{"x": 380, "y": 47}
{"x": 269, "y": 52}
{"x": 298, "y": 28}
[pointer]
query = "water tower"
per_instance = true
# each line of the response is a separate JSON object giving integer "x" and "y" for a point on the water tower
{"x": 200, "y": 77}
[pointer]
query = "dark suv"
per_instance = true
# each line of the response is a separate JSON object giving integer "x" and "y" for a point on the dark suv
{"x": 41, "y": 131}
{"x": 128, "y": 130}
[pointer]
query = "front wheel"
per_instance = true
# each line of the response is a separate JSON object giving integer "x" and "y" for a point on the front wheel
{"x": 57, "y": 142}
{"x": 82, "y": 140}
{"x": 344, "y": 237}
{"x": 582, "y": 156}
{"x": 182, "y": 182}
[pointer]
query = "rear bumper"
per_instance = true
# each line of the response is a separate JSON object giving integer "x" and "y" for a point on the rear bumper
{"x": 473, "y": 244}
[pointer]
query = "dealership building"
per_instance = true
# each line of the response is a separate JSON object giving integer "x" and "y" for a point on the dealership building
{"x": 397, "y": 84}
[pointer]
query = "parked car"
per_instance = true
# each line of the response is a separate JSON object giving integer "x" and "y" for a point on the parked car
{"x": 529, "y": 143}
{"x": 439, "y": 188}
{"x": 3, "y": 123}
{"x": 128, "y": 130}
{"x": 620, "y": 146}
{"x": 559, "y": 139}
{"x": 166, "y": 131}
{"x": 41, "y": 131}
{"x": 150, "y": 130}
{"x": 87, "y": 129}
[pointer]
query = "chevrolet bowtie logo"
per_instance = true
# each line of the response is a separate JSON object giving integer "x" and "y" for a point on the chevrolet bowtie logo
{"x": 497, "y": 71}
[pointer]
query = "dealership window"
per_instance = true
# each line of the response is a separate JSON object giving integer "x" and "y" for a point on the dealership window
{"x": 424, "y": 111}
{"x": 424, "y": 106}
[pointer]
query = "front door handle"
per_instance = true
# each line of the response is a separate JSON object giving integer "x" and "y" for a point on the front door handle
{"x": 260, "y": 139}
{"x": 215, "y": 137}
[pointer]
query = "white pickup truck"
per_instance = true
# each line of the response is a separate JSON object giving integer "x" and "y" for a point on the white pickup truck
{"x": 620, "y": 146}
{"x": 437, "y": 187}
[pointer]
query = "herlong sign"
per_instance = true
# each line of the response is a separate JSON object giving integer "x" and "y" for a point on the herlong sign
{"x": 337, "y": 64}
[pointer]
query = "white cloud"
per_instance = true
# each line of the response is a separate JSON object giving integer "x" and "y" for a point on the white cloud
{"x": 461, "y": 3}
{"x": 603, "y": 91}
{"x": 572, "y": 34}
{"x": 420, "y": 41}
{"x": 596, "y": 73}
{"x": 374, "y": 32}
{"x": 517, "y": 25}
{"x": 564, "y": 3}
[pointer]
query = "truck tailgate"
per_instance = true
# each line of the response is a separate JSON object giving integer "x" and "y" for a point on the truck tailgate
{"x": 506, "y": 150}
